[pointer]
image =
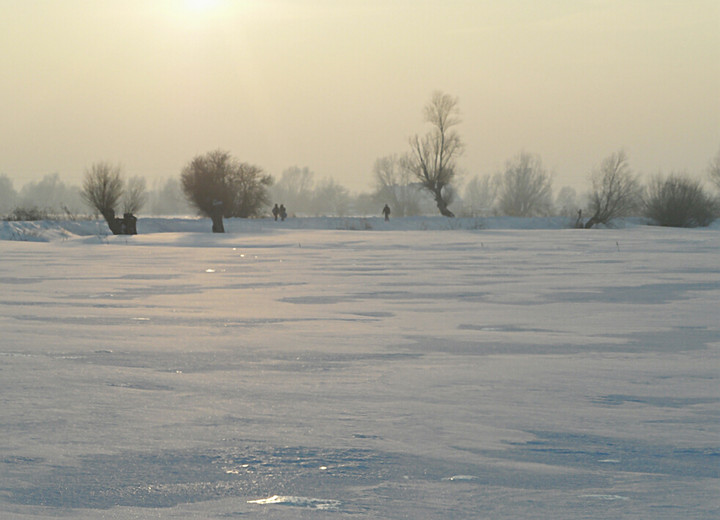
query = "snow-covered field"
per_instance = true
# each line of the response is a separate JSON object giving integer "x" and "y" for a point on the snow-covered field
{"x": 352, "y": 368}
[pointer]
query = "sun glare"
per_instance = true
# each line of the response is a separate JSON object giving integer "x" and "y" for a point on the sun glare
{"x": 201, "y": 5}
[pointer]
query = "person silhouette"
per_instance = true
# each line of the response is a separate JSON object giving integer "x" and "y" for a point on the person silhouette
{"x": 386, "y": 211}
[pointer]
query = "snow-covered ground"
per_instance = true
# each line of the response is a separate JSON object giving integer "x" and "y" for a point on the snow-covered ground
{"x": 41, "y": 231}
{"x": 319, "y": 368}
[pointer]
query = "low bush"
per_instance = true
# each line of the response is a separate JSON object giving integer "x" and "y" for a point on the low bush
{"x": 679, "y": 201}
{"x": 22, "y": 214}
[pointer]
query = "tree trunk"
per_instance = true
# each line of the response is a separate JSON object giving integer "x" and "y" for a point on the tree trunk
{"x": 112, "y": 222}
{"x": 590, "y": 223}
{"x": 217, "y": 224}
{"x": 442, "y": 205}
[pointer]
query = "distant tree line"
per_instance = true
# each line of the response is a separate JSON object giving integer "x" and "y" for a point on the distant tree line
{"x": 524, "y": 187}
{"x": 422, "y": 181}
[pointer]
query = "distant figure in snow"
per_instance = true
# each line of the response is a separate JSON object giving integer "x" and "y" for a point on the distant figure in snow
{"x": 386, "y": 212}
{"x": 275, "y": 211}
{"x": 283, "y": 212}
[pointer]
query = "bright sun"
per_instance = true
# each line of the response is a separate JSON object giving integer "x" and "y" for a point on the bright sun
{"x": 201, "y": 5}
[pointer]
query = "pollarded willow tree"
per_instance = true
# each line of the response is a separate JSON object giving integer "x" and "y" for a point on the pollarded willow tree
{"x": 432, "y": 157}
{"x": 616, "y": 191}
{"x": 103, "y": 187}
{"x": 219, "y": 185}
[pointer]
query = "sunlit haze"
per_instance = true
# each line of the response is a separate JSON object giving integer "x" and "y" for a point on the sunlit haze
{"x": 334, "y": 85}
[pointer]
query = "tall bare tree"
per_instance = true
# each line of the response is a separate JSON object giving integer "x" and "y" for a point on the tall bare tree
{"x": 616, "y": 191}
{"x": 480, "y": 194}
{"x": 525, "y": 187}
{"x": 102, "y": 189}
{"x": 432, "y": 157}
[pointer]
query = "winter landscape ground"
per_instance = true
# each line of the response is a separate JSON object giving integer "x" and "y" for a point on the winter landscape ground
{"x": 352, "y": 368}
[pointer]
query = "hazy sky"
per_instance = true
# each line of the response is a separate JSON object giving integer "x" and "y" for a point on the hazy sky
{"x": 335, "y": 84}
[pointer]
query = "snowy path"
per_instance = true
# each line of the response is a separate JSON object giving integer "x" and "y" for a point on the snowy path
{"x": 355, "y": 374}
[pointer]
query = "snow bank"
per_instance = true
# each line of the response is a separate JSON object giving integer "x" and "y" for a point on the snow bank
{"x": 46, "y": 231}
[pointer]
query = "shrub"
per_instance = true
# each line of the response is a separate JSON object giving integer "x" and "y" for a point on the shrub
{"x": 679, "y": 201}
{"x": 28, "y": 214}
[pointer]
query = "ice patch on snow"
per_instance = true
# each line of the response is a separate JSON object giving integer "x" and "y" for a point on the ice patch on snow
{"x": 605, "y": 497}
{"x": 455, "y": 478}
{"x": 312, "y": 503}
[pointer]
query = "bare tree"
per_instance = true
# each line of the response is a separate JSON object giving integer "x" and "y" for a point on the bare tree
{"x": 135, "y": 195}
{"x": 525, "y": 187}
{"x": 480, "y": 196}
{"x": 166, "y": 198}
{"x": 102, "y": 189}
{"x": 393, "y": 186}
{"x": 220, "y": 186}
{"x": 566, "y": 204}
{"x": 8, "y": 195}
{"x": 51, "y": 196}
{"x": 432, "y": 158}
{"x": 679, "y": 201}
{"x": 616, "y": 191}
{"x": 295, "y": 189}
{"x": 331, "y": 199}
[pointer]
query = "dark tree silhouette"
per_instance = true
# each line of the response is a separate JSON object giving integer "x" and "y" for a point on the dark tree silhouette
{"x": 102, "y": 189}
{"x": 220, "y": 186}
{"x": 432, "y": 158}
{"x": 679, "y": 201}
{"x": 616, "y": 191}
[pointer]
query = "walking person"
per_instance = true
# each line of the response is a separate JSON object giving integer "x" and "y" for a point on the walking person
{"x": 386, "y": 211}
{"x": 275, "y": 211}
